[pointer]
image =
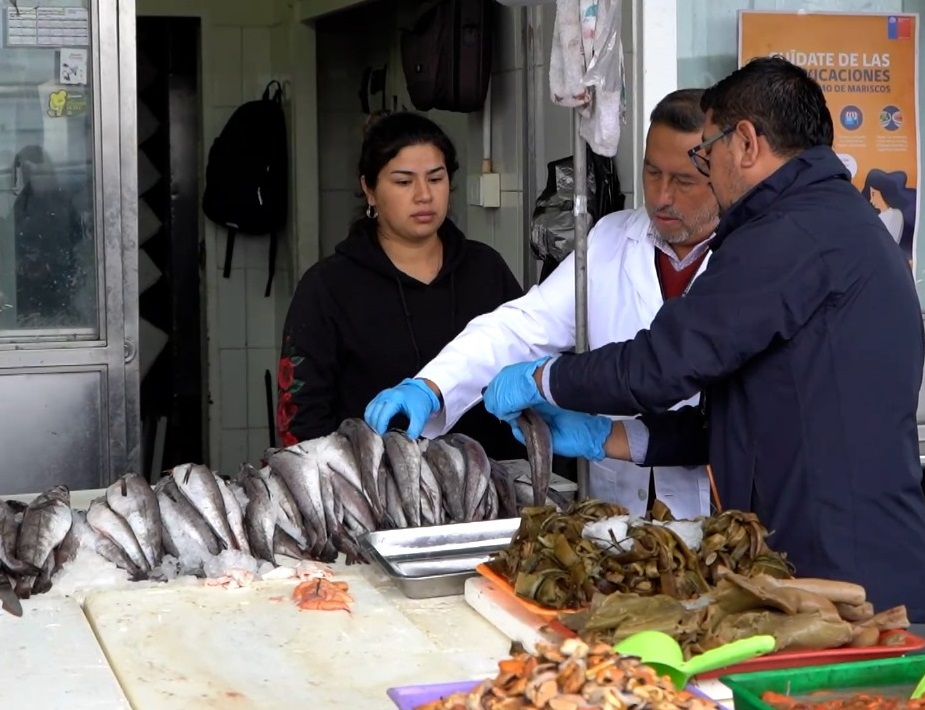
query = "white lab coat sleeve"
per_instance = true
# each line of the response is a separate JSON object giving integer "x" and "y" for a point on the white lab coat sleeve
{"x": 541, "y": 322}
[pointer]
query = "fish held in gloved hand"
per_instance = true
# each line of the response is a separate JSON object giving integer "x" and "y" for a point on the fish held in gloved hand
{"x": 539, "y": 452}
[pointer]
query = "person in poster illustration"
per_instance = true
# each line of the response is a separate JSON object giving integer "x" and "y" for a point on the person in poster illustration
{"x": 888, "y": 193}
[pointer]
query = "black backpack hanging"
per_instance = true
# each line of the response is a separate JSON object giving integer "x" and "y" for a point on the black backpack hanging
{"x": 446, "y": 55}
{"x": 247, "y": 175}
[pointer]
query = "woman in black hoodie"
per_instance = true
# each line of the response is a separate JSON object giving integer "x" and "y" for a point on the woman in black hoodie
{"x": 402, "y": 285}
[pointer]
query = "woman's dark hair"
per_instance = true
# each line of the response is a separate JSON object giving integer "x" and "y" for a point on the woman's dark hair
{"x": 388, "y": 133}
{"x": 893, "y": 190}
{"x": 891, "y": 187}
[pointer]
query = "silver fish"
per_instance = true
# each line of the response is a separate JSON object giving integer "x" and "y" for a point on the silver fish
{"x": 337, "y": 451}
{"x": 67, "y": 551}
{"x": 184, "y": 527}
{"x": 382, "y": 483}
{"x": 368, "y": 451}
{"x": 449, "y": 467}
{"x": 45, "y": 523}
{"x": 170, "y": 545}
{"x": 200, "y": 487}
{"x": 431, "y": 497}
{"x": 90, "y": 539}
{"x": 356, "y": 504}
{"x": 288, "y": 514}
{"x": 334, "y": 516}
{"x": 539, "y": 452}
{"x": 504, "y": 487}
{"x": 132, "y": 498}
{"x": 9, "y": 532}
{"x": 300, "y": 471}
{"x": 9, "y": 528}
{"x": 491, "y": 502}
{"x": 478, "y": 473}
{"x": 42, "y": 583}
{"x": 285, "y": 544}
{"x": 394, "y": 510}
{"x": 106, "y": 522}
{"x": 260, "y": 515}
{"x": 235, "y": 516}
{"x": 524, "y": 492}
{"x": 9, "y": 602}
{"x": 405, "y": 461}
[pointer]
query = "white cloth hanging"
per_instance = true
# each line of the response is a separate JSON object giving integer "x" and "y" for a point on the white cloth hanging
{"x": 586, "y": 69}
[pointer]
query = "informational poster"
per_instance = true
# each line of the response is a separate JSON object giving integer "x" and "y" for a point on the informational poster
{"x": 867, "y": 64}
{"x": 73, "y": 65}
{"x": 47, "y": 27}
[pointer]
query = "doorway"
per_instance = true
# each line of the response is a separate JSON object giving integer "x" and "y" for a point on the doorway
{"x": 170, "y": 254}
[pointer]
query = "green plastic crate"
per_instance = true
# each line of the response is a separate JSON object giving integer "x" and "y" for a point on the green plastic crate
{"x": 858, "y": 677}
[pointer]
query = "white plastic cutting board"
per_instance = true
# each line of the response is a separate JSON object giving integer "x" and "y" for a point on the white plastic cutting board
{"x": 506, "y": 615}
{"x": 183, "y": 648}
{"x": 49, "y": 658}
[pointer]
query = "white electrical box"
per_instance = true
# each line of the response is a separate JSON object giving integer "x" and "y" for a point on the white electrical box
{"x": 484, "y": 190}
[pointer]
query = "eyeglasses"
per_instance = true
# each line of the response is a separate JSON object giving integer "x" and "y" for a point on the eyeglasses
{"x": 702, "y": 162}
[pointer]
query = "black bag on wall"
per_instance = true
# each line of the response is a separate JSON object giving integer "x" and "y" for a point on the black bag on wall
{"x": 247, "y": 174}
{"x": 446, "y": 56}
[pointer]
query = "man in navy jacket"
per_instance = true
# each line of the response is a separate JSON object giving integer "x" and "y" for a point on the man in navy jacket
{"x": 805, "y": 336}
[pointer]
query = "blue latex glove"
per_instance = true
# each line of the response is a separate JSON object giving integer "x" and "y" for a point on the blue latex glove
{"x": 410, "y": 397}
{"x": 574, "y": 434}
{"x": 513, "y": 390}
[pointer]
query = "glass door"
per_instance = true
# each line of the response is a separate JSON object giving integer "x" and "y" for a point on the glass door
{"x": 68, "y": 293}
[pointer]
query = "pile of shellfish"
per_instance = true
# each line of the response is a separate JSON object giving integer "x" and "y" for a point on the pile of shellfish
{"x": 574, "y": 676}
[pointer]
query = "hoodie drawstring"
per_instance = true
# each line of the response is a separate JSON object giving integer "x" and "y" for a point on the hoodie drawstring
{"x": 453, "y": 302}
{"x": 414, "y": 341}
{"x": 404, "y": 304}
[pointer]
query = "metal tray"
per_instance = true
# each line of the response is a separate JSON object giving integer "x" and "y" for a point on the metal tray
{"x": 436, "y": 561}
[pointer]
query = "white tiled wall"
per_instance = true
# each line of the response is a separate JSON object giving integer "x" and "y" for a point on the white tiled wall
{"x": 244, "y": 46}
{"x": 345, "y": 47}
{"x": 247, "y": 43}
{"x": 247, "y": 332}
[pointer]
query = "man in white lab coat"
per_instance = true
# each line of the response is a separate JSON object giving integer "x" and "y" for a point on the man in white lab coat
{"x": 636, "y": 260}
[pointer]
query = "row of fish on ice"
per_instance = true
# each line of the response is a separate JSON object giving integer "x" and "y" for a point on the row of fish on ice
{"x": 313, "y": 501}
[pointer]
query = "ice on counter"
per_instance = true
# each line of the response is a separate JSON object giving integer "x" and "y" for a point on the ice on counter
{"x": 690, "y": 531}
{"x": 610, "y": 533}
{"x": 613, "y": 533}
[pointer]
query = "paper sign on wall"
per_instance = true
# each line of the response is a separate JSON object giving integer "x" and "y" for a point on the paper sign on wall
{"x": 47, "y": 27}
{"x": 867, "y": 64}
{"x": 72, "y": 66}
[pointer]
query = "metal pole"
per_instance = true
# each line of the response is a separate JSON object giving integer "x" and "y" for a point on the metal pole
{"x": 581, "y": 270}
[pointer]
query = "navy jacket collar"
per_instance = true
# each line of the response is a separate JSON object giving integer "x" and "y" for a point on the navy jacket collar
{"x": 813, "y": 165}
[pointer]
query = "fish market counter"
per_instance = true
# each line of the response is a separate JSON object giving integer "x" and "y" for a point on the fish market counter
{"x": 183, "y": 645}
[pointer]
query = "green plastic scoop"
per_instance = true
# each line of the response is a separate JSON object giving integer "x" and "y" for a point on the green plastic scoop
{"x": 658, "y": 650}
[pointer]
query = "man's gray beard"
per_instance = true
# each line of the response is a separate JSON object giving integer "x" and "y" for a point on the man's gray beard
{"x": 674, "y": 239}
{"x": 700, "y": 221}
